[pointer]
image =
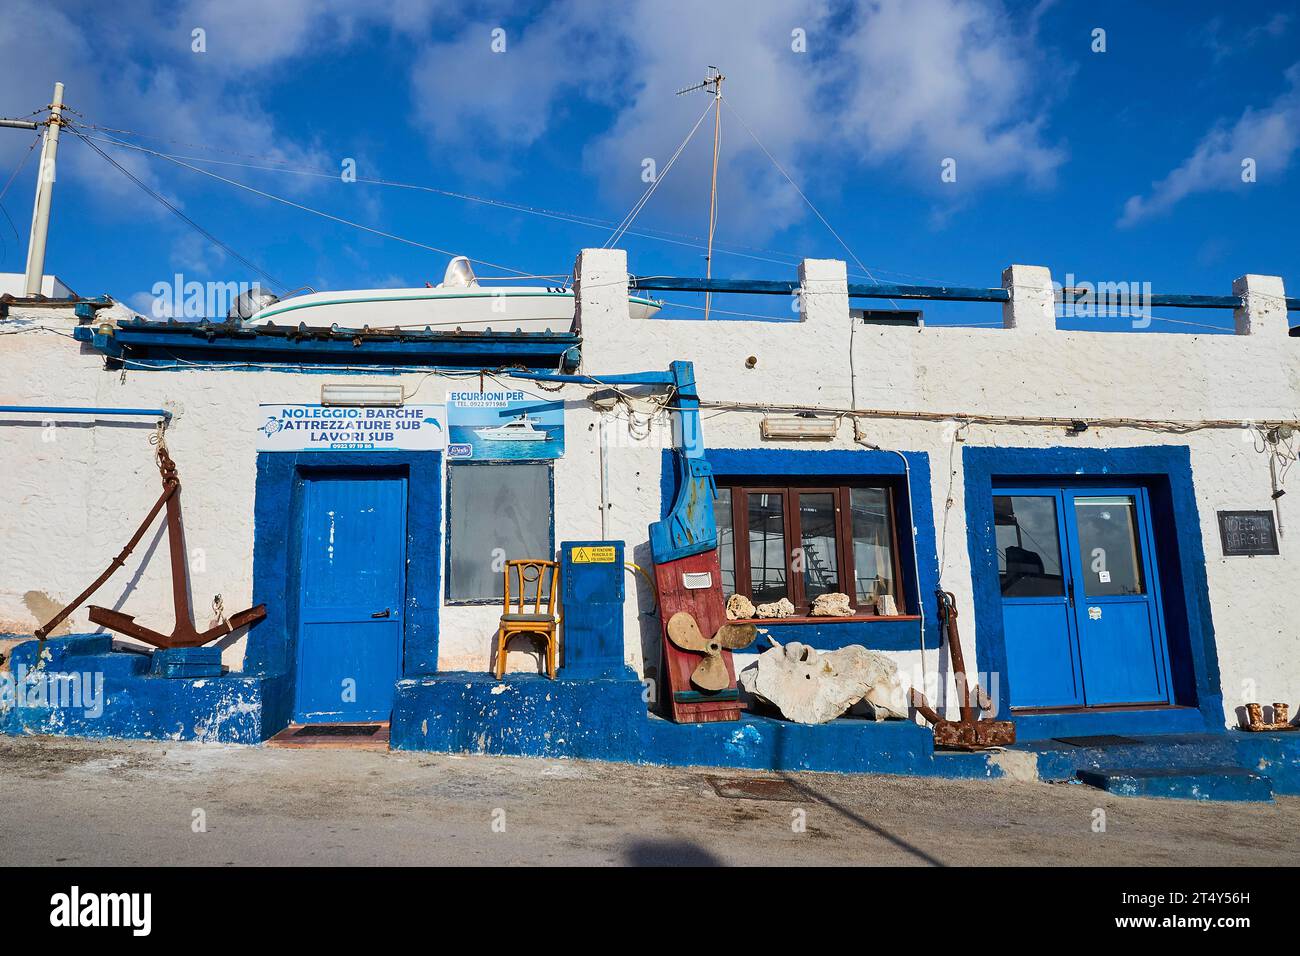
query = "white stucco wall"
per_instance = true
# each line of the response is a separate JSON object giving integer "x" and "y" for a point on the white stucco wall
{"x": 1027, "y": 369}
{"x": 74, "y": 491}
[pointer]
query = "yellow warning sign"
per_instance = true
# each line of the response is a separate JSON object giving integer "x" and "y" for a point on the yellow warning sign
{"x": 601, "y": 555}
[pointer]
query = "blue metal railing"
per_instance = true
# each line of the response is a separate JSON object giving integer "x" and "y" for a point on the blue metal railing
{"x": 787, "y": 287}
{"x": 858, "y": 290}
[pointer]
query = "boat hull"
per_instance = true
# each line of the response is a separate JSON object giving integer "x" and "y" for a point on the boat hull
{"x": 486, "y": 435}
{"x": 520, "y": 309}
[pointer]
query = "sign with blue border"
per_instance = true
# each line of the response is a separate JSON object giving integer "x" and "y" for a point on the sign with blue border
{"x": 349, "y": 428}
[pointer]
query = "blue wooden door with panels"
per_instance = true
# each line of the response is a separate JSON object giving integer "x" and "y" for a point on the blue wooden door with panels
{"x": 1081, "y": 611}
{"x": 351, "y": 595}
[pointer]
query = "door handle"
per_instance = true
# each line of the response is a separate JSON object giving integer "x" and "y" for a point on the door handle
{"x": 384, "y": 613}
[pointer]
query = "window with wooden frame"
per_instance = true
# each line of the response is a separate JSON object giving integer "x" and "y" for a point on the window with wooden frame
{"x": 800, "y": 541}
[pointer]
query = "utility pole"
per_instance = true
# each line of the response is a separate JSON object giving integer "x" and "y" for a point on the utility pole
{"x": 712, "y": 84}
{"x": 44, "y": 194}
{"x": 44, "y": 188}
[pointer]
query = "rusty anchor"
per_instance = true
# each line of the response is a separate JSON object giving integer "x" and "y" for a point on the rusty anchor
{"x": 971, "y": 732}
{"x": 183, "y": 634}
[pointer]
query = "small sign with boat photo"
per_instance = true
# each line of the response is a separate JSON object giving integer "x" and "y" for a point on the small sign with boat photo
{"x": 503, "y": 424}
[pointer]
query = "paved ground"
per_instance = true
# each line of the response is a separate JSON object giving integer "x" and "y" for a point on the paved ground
{"x": 93, "y": 803}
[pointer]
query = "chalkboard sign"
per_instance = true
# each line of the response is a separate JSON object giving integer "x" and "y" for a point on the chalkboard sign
{"x": 1247, "y": 533}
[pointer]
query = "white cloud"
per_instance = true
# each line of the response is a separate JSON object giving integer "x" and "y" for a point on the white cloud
{"x": 496, "y": 91}
{"x": 770, "y": 86}
{"x": 265, "y": 34}
{"x": 888, "y": 83}
{"x": 141, "y": 73}
{"x": 933, "y": 79}
{"x": 150, "y": 306}
{"x": 1221, "y": 46}
{"x": 904, "y": 82}
{"x": 1269, "y": 137}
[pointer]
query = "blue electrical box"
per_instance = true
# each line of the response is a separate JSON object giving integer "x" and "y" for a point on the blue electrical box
{"x": 591, "y": 576}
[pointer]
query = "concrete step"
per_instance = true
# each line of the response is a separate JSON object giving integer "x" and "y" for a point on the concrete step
{"x": 1058, "y": 760}
{"x": 342, "y": 736}
{"x": 118, "y": 665}
{"x": 1182, "y": 783}
{"x": 113, "y": 665}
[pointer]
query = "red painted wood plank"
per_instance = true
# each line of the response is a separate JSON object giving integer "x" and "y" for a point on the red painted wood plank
{"x": 706, "y": 606}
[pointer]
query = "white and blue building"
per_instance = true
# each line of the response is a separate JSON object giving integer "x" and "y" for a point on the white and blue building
{"x": 1110, "y": 511}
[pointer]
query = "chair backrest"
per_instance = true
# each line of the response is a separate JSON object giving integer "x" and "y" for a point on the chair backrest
{"x": 531, "y": 584}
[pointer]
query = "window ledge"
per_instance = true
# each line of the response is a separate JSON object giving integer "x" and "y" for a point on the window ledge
{"x": 826, "y": 619}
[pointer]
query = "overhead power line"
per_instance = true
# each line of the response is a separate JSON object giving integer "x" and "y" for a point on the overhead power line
{"x": 181, "y": 215}
{"x": 671, "y": 237}
{"x": 621, "y": 228}
{"x": 22, "y": 162}
{"x": 316, "y": 212}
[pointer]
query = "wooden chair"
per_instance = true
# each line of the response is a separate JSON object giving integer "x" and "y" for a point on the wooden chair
{"x": 536, "y": 615}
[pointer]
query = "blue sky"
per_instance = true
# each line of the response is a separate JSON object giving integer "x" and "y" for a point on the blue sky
{"x": 1122, "y": 165}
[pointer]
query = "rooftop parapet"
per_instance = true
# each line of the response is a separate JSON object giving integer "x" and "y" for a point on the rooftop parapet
{"x": 1023, "y": 368}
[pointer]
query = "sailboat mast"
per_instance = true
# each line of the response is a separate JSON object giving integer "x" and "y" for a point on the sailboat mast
{"x": 713, "y": 187}
{"x": 712, "y": 84}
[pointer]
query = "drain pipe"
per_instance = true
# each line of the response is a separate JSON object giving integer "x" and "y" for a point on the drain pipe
{"x": 86, "y": 410}
{"x": 860, "y": 439}
{"x": 603, "y": 428}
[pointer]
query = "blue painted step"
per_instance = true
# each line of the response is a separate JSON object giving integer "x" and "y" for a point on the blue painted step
{"x": 1060, "y": 761}
{"x": 80, "y": 654}
{"x": 115, "y": 666}
{"x": 1182, "y": 783}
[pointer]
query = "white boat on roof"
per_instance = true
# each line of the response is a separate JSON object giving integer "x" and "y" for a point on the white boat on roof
{"x": 458, "y": 302}
{"x": 519, "y": 428}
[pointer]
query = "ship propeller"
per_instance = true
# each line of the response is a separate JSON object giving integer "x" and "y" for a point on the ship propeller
{"x": 711, "y": 674}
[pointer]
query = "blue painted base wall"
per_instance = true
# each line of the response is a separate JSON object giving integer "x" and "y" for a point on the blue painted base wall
{"x": 1272, "y": 755}
{"x": 1276, "y": 755}
{"x": 531, "y": 716}
{"x": 527, "y": 715}
{"x": 1230, "y": 784}
{"x": 136, "y": 703}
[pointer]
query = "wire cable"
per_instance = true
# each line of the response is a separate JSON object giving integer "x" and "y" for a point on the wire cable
{"x": 12, "y": 176}
{"x": 162, "y": 199}
{"x": 594, "y": 222}
{"x": 574, "y": 218}
{"x": 807, "y": 201}
{"x": 659, "y": 178}
{"x": 315, "y": 212}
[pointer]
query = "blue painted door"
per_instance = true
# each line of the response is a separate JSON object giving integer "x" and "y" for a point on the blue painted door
{"x": 1037, "y": 614}
{"x": 1080, "y": 605}
{"x": 1121, "y": 632}
{"x": 351, "y": 595}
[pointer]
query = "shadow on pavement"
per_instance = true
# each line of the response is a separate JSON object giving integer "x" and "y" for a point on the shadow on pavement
{"x": 669, "y": 853}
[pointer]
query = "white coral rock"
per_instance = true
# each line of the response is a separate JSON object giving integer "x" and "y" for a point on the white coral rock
{"x": 781, "y": 608}
{"x": 832, "y": 604}
{"x": 812, "y": 687}
{"x": 739, "y": 608}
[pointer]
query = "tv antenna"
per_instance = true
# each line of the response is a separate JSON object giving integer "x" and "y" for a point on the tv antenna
{"x": 712, "y": 83}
